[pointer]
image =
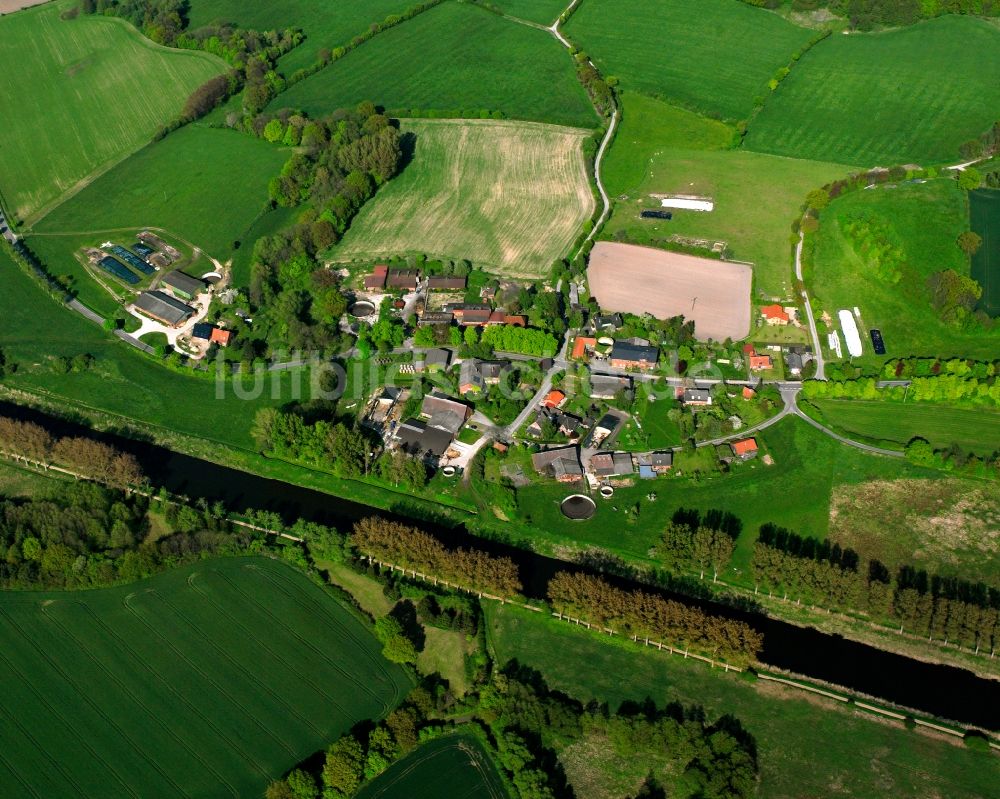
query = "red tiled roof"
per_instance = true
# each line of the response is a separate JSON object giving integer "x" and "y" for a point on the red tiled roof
{"x": 381, "y": 269}
{"x": 748, "y": 349}
{"x": 515, "y": 319}
{"x": 554, "y": 399}
{"x": 774, "y": 312}
{"x": 748, "y": 393}
{"x": 744, "y": 447}
{"x": 760, "y": 361}
{"x": 581, "y": 344}
{"x": 222, "y": 337}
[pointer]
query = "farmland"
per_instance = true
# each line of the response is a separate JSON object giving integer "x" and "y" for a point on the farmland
{"x": 454, "y": 766}
{"x": 984, "y": 215}
{"x": 208, "y": 680}
{"x": 908, "y": 95}
{"x": 81, "y": 93}
{"x": 511, "y": 197}
{"x": 544, "y": 12}
{"x": 451, "y": 56}
{"x": 973, "y": 429}
{"x": 662, "y": 149}
{"x": 714, "y": 294}
{"x": 326, "y": 25}
{"x": 714, "y": 56}
{"x": 925, "y": 219}
{"x": 206, "y": 208}
{"x": 805, "y": 747}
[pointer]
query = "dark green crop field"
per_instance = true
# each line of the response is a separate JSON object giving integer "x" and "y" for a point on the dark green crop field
{"x": 544, "y": 12}
{"x": 984, "y": 217}
{"x": 806, "y": 746}
{"x": 454, "y": 59}
{"x": 454, "y": 766}
{"x": 325, "y": 24}
{"x": 79, "y": 95}
{"x": 209, "y": 680}
{"x": 912, "y": 94}
{"x": 715, "y": 56}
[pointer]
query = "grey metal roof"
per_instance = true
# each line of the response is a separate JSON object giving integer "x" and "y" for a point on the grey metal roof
{"x": 182, "y": 282}
{"x": 163, "y": 307}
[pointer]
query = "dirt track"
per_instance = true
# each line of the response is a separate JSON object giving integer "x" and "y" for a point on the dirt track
{"x": 715, "y": 294}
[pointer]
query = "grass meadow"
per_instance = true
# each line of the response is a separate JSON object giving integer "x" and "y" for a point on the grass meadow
{"x": 926, "y": 219}
{"x": 973, "y": 429}
{"x": 326, "y": 25}
{"x": 185, "y": 184}
{"x": 984, "y": 217}
{"x": 806, "y": 746}
{"x": 544, "y": 12}
{"x": 511, "y": 197}
{"x": 661, "y": 149}
{"x": 81, "y": 94}
{"x": 450, "y": 60}
{"x": 795, "y": 493}
{"x": 454, "y": 765}
{"x": 211, "y": 679}
{"x": 908, "y": 95}
{"x": 714, "y": 56}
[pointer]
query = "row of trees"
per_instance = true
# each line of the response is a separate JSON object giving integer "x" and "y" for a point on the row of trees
{"x": 695, "y": 548}
{"x": 414, "y": 549}
{"x": 921, "y": 452}
{"x": 84, "y": 456}
{"x": 646, "y": 615}
{"x": 523, "y": 340}
{"x": 934, "y": 388}
{"x": 904, "y": 368}
{"x": 344, "y": 449}
{"x": 949, "y": 609}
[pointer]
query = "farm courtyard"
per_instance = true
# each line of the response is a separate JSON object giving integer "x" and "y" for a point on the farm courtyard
{"x": 640, "y": 280}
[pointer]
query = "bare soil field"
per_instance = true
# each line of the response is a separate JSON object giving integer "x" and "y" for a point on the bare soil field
{"x": 640, "y": 280}
{"x": 510, "y": 196}
{"x": 8, "y": 6}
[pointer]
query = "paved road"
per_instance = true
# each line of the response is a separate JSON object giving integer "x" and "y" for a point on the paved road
{"x": 820, "y": 366}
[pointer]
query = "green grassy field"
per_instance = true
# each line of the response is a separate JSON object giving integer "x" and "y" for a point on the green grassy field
{"x": 454, "y": 766}
{"x": 715, "y": 56}
{"x": 984, "y": 218}
{"x": 267, "y": 224}
{"x": 326, "y": 25}
{"x": 544, "y": 12}
{"x": 973, "y": 429}
{"x": 447, "y": 60}
{"x": 664, "y": 150}
{"x": 81, "y": 94}
{"x": 911, "y": 94}
{"x": 807, "y": 747}
{"x": 795, "y": 492}
{"x": 510, "y": 197}
{"x": 208, "y": 680}
{"x": 926, "y": 219}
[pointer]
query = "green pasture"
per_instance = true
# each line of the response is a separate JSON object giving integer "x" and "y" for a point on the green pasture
{"x": 543, "y": 12}
{"x": 912, "y": 94}
{"x": 794, "y": 492}
{"x": 973, "y": 429}
{"x": 326, "y": 25}
{"x": 806, "y": 746}
{"x": 203, "y": 185}
{"x": 454, "y": 765}
{"x": 447, "y": 60}
{"x": 81, "y": 95}
{"x": 663, "y": 150}
{"x": 209, "y": 680}
{"x": 714, "y": 56}
{"x": 511, "y": 197}
{"x": 269, "y": 223}
{"x": 984, "y": 216}
{"x": 926, "y": 218}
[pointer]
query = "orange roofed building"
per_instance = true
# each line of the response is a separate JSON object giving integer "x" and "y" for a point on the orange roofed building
{"x": 760, "y": 362}
{"x": 221, "y": 337}
{"x": 581, "y": 345}
{"x": 775, "y": 315}
{"x": 553, "y": 399}
{"x": 745, "y": 449}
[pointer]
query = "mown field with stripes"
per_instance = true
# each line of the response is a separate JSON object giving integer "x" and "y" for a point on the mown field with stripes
{"x": 509, "y": 196}
{"x": 80, "y": 94}
{"x": 209, "y": 680}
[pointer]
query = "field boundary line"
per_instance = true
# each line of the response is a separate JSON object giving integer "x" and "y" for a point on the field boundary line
{"x": 377, "y": 662}
{"x": 240, "y": 668}
{"x": 129, "y": 692}
{"x": 224, "y": 737}
{"x": 207, "y": 677}
{"x": 248, "y": 631}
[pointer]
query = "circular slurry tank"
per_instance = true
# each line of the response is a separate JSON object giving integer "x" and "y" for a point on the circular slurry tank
{"x": 361, "y": 309}
{"x": 578, "y": 507}
{"x": 607, "y": 492}
{"x": 449, "y": 471}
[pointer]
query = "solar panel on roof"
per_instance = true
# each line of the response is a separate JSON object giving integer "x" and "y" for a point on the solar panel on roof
{"x": 132, "y": 260}
{"x": 119, "y": 270}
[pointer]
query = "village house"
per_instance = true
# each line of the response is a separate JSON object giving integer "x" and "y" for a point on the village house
{"x": 435, "y": 360}
{"x": 435, "y": 318}
{"x": 515, "y": 319}
{"x": 562, "y": 463}
{"x": 475, "y": 375}
{"x": 745, "y": 449}
{"x": 661, "y": 462}
{"x": 376, "y": 280}
{"x": 760, "y": 363}
{"x": 775, "y": 315}
{"x": 221, "y": 337}
{"x": 608, "y": 386}
{"x": 403, "y": 279}
{"x": 554, "y": 399}
{"x": 582, "y": 347}
{"x": 625, "y": 355}
{"x": 605, "y": 323}
{"x": 696, "y": 396}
